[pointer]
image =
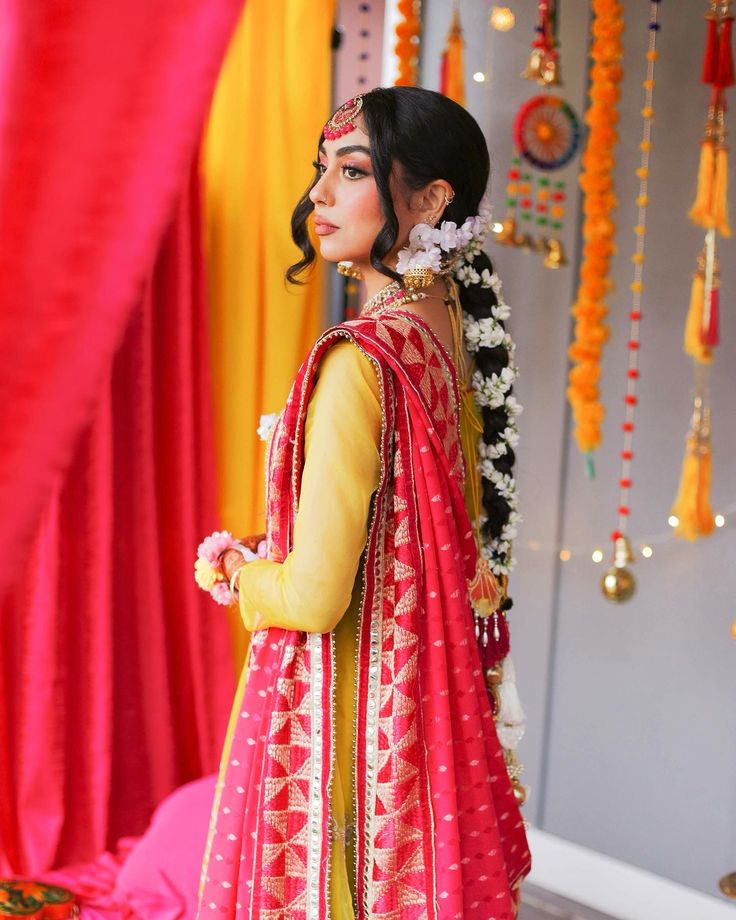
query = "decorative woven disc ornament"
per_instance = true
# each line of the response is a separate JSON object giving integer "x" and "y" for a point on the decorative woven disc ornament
{"x": 547, "y": 132}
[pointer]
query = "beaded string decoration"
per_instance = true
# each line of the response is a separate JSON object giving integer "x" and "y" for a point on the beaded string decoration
{"x": 596, "y": 181}
{"x": 618, "y": 584}
{"x": 406, "y": 49}
{"x": 544, "y": 62}
{"x": 691, "y": 508}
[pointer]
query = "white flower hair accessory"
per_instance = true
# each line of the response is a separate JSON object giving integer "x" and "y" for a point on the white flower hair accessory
{"x": 428, "y": 245}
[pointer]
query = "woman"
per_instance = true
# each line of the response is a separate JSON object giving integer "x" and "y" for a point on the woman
{"x": 362, "y": 775}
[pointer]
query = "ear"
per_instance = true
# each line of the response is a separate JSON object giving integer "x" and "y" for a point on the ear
{"x": 432, "y": 200}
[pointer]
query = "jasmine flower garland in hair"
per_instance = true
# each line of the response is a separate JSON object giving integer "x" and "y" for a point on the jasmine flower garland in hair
{"x": 427, "y": 244}
{"x": 493, "y": 392}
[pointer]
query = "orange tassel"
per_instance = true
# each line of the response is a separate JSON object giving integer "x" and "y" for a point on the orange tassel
{"x": 720, "y": 193}
{"x": 701, "y": 211}
{"x": 692, "y": 506}
{"x": 693, "y": 343}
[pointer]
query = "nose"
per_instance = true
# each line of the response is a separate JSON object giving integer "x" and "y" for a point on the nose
{"x": 321, "y": 192}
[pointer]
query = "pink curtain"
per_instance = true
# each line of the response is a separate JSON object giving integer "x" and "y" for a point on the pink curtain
{"x": 116, "y": 671}
{"x": 101, "y": 107}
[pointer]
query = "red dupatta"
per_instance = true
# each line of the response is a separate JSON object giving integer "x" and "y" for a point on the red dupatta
{"x": 438, "y": 832}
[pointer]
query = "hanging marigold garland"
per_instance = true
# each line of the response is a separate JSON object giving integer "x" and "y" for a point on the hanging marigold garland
{"x": 408, "y": 30}
{"x": 596, "y": 182}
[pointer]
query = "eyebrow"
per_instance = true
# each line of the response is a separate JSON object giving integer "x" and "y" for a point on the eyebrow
{"x": 345, "y": 151}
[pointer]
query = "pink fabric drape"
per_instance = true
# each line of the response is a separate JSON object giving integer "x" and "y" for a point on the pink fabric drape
{"x": 115, "y": 670}
{"x": 101, "y": 107}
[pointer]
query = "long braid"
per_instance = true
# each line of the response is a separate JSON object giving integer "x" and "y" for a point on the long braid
{"x": 484, "y": 318}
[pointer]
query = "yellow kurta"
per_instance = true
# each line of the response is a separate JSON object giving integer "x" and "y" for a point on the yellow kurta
{"x": 316, "y": 588}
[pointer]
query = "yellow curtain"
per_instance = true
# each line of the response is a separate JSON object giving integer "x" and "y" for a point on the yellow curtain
{"x": 272, "y": 98}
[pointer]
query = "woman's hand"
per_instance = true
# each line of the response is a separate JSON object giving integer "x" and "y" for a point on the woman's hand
{"x": 231, "y": 560}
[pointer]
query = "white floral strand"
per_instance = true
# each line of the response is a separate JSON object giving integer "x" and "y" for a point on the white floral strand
{"x": 494, "y": 392}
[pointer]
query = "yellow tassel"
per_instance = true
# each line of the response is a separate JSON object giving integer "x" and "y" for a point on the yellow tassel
{"x": 692, "y": 505}
{"x": 706, "y": 521}
{"x": 693, "y": 344}
{"x": 720, "y": 192}
{"x": 701, "y": 213}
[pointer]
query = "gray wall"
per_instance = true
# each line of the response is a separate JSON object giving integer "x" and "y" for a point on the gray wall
{"x": 631, "y": 742}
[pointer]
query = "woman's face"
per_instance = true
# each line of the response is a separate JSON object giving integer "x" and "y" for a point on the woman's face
{"x": 347, "y": 207}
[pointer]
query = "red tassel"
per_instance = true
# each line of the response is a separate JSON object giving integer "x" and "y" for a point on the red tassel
{"x": 725, "y": 75}
{"x": 710, "y": 336}
{"x": 496, "y": 628}
{"x": 711, "y": 50}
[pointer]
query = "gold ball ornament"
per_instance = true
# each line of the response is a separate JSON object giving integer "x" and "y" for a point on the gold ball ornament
{"x": 618, "y": 584}
{"x": 728, "y": 885}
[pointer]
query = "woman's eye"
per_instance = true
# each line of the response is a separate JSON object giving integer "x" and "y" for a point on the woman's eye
{"x": 320, "y": 167}
{"x": 353, "y": 172}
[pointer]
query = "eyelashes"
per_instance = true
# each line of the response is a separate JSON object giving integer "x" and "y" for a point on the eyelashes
{"x": 349, "y": 171}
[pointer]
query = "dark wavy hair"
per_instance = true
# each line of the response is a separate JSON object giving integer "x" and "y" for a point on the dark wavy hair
{"x": 420, "y": 136}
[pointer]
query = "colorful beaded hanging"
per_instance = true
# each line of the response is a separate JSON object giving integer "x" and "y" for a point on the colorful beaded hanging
{"x": 618, "y": 583}
{"x": 546, "y": 137}
{"x": 691, "y": 509}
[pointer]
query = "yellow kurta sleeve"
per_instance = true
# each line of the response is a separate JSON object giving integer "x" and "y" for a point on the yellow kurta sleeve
{"x": 312, "y": 588}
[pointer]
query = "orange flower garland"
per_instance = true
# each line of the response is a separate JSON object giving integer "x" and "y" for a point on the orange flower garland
{"x": 406, "y": 48}
{"x": 596, "y": 182}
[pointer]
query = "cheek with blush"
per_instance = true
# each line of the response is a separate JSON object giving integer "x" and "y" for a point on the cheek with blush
{"x": 360, "y": 220}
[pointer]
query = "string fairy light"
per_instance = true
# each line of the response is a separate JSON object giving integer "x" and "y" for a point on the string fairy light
{"x": 726, "y": 519}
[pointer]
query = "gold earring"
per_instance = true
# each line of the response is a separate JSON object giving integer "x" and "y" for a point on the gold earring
{"x": 349, "y": 270}
{"x": 417, "y": 278}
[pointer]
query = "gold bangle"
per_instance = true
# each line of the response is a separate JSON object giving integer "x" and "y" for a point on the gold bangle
{"x": 233, "y": 590}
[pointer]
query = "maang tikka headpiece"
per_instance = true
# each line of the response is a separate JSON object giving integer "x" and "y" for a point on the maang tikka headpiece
{"x": 343, "y": 121}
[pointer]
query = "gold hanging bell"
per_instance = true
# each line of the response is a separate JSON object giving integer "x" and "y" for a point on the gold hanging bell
{"x": 555, "y": 257}
{"x": 618, "y": 584}
{"x": 533, "y": 70}
{"x": 550, "y": 72}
